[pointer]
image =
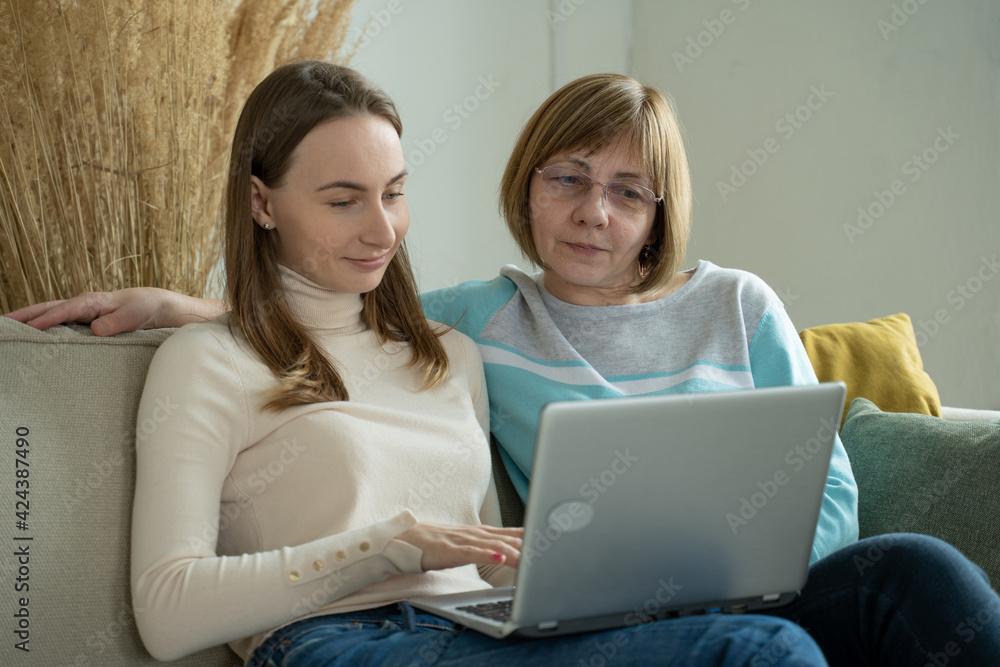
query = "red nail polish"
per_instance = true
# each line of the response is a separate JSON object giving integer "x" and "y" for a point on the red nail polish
{"x": 497, "y": 556}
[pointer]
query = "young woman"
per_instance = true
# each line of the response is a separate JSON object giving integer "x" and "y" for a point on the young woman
{"x": 274, "y": 509}
{"x": 597, "y": 194}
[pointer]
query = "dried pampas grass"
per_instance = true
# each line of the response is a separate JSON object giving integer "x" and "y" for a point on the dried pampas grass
{"x": 115, "y": 122}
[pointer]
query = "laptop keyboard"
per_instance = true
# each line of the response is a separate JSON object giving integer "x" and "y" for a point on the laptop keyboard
{"x": 495, "y": 611}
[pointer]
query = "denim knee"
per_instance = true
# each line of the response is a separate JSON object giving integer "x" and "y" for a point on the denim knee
{"x": 914, "y": 555}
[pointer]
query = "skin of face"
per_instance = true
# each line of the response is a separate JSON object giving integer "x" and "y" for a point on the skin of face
{"x": 591, "y": 248}
{"x": 339, "y": 214}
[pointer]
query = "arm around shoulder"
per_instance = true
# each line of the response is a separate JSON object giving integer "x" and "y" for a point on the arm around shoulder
{"x": 123, "y": 310}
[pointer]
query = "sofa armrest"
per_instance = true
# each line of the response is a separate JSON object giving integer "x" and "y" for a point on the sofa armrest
{"x": 969, "y": 414}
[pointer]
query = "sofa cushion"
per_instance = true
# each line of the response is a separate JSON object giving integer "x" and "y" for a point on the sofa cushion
{"x": 923, "y": 474}
{"x": 878, "y": 360}
{"x": 73, "y": 397}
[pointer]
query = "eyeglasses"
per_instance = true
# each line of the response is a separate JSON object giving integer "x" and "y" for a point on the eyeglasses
{"x": 566, "y": 183}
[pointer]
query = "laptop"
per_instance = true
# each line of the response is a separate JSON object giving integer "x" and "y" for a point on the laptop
{"x": 646, "y": 508}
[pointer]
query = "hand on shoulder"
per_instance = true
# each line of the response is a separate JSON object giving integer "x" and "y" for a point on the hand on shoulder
{"x": 120, "y": 311}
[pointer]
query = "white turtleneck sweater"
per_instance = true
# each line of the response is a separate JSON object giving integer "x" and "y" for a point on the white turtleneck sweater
{"x": 313, "y": 496}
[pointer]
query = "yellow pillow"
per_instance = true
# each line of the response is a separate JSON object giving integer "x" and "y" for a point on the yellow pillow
{"x": 878, "y": 360}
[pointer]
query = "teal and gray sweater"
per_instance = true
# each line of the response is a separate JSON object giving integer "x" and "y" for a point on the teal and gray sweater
{"x": 724, "y": 329}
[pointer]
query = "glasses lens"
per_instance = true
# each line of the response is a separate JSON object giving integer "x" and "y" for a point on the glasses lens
{"x": 630, "y": 197}
{"x": 565, "y": 183}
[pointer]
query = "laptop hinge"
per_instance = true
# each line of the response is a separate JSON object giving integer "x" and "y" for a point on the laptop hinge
{"x": 548, "y": 626}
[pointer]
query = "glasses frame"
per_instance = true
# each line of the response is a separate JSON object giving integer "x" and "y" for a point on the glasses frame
{"x": 591, "y": 182}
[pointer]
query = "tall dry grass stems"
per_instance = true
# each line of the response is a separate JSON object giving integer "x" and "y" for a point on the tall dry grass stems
{"x": 115, "y": 122}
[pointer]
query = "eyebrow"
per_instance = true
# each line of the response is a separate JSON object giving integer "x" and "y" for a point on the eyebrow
{"x": 618, "y": 175}
{"x": 351, "y": 185}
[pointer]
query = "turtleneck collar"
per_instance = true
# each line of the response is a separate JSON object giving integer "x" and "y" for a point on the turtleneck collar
{"x": 321, "y": 308}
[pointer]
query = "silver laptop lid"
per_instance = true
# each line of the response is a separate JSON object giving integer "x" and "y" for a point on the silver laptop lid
{"x": 655, "y": 503}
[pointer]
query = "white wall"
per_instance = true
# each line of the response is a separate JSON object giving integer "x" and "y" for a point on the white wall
{"x": 431, "y": 55}
{"x": 886, "y": 94}
{"x": 890, "y": 94}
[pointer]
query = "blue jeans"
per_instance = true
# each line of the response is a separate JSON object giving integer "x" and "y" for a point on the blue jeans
{"x": 899, "y": 599}
{"x": 396, "y": 635}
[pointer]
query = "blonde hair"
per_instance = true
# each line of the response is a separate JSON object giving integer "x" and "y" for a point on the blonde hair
{"x": 280, "y": 111}
{"x": 591, "y": 113}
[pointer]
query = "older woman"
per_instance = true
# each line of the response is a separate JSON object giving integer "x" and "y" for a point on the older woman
{"x": 597, "y": 195}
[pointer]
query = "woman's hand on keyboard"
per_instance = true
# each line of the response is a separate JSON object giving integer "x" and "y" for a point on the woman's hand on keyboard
{"x": 447, "y": 546}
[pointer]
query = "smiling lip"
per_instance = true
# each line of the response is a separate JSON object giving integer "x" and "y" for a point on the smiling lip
{"x": 370, "y": 264}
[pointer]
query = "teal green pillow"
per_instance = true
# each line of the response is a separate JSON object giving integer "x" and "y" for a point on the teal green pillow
{"x": 922, "y": 474}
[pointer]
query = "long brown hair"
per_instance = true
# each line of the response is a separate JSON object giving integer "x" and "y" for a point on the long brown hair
{"x": 591, "y": 113}
{"x": 280, "y": 111}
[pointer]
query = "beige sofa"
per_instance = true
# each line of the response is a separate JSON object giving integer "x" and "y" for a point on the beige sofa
{"x": 67, "y": 418}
